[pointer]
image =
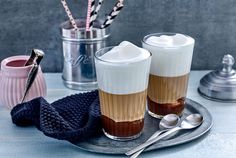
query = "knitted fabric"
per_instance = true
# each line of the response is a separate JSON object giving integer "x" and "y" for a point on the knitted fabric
{"x": 73, "y": 118}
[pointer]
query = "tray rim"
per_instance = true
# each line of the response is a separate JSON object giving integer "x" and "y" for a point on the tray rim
{"x": 153, "y": 147}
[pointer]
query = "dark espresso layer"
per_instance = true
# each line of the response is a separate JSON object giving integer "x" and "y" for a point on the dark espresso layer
{"x": 122, "y": 129}
{"x": 168, "y": 108}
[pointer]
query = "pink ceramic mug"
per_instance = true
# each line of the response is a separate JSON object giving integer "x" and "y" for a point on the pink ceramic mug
{"x": 13, "y": 77}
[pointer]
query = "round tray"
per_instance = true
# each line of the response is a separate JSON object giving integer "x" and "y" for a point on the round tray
{"x": 105, "y": 145}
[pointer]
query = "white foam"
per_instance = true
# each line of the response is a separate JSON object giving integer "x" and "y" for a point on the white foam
{"x": 163, "y": 40}
{"x": 124, "y": 69}
{"x": 171, "y": 55}
{"x": 169, "y": 41}
{"x": 125, "y": 52}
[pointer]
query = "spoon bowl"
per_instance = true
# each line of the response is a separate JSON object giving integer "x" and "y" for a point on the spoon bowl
{"x": 169, "y": 121}
{"x": 191, "y": 121}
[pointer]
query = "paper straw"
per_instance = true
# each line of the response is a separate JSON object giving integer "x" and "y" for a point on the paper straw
{"x": 97, "y": 9}
{"x": 92, "y": 13}
{"x": 88, "y": 15}
{"x": 68, "y": 12}
{"x": 115, "y": 11}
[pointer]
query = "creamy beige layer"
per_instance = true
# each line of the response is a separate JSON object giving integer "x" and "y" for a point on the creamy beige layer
{"x": 123, "y": 108}
{"x": 164, "y": 90}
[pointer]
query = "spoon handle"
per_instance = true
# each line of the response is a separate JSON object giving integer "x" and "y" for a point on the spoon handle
{"x": 30, "y": 80}
{"x": 154, "y": 140}
{"x": 30, "y": 61}
{"x": 157, "y": 133}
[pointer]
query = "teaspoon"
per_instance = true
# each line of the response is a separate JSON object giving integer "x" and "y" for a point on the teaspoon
{"x": 35, "y": 59}
{"x": 190, "y": 122}
{"x": 167, "y": 122}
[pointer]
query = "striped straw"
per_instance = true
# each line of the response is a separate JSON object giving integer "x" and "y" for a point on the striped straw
{"x": 68, "y": 12}
{"x": 88, "y": 15}
{"x": 92, "y": 13}
{"x": 115, "y": 11}
{"x": 97, "y": 9}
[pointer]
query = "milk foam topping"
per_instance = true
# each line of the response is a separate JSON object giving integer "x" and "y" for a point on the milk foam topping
{"x": 125, "y": 52}
{"x": 171, "y": 55}
{"x": 124, "y": 69}
{"x": 170, "y": 41}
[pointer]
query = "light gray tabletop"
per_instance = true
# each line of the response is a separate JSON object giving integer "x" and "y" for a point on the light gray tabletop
{"x": 29, "y": 142}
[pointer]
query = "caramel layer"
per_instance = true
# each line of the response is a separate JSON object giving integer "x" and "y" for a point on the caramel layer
{"x": 166, "y": 90}
{"x": 164, "y": 109}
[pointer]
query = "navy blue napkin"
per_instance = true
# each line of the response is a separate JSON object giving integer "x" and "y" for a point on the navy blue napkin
{"x": 73, "y": 118}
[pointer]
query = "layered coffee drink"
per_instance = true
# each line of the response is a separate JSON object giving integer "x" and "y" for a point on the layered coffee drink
{"x": 169, "y": 73}
{"x": 122, "y": 75}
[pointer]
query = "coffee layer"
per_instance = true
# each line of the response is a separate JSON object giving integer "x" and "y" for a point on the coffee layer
{"x": 123, "y": 108}
{"x": 122, "y": 129}
{"x": 165, "y": 90}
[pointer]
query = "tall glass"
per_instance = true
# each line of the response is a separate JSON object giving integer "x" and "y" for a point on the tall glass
{"x": 122, "y": 93}
{"x": 169, "y": 73}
